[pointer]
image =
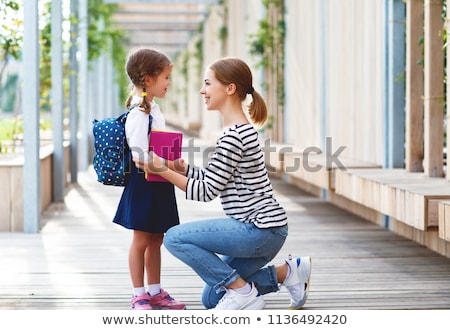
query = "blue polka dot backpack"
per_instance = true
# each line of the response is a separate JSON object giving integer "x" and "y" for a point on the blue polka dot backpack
{"x": 112, "y": 154}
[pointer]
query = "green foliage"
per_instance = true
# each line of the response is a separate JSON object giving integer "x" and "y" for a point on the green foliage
{"x": 9, "y": 93}
{"x": 119, "y": 57}
{"x": 45, "y": 69}
{"x": 262, "y": 41}
{"x": 268, "y": 35}
{"x": 99, "y": 24}
{"x": 185, "y": 65}
{"x": 267, "y": 44}
{"x": 223, "y": 33}
{"x": 12, "y": 128}
{"x": 199, "y": 53}
{"x": 9, "y": 129}
{"x": 104, "y": 38}
{"x": 10, "y": 33}
{"x": 199, "y": 47}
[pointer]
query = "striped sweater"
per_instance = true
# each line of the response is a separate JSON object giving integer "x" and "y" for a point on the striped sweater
{"x": 237, "y": 173}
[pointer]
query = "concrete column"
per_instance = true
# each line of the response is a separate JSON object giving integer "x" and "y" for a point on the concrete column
{"x": 31, "y": 137}
{"x": 395, "y": 88}
{"x": 57, "y": 96}
{"x": 83, "y": 86}
{"x": 73, "y": 94}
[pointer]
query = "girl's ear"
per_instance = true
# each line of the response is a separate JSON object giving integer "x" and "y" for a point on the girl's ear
{"x": 148, "y": 80}
{"x": 231, "y": 89}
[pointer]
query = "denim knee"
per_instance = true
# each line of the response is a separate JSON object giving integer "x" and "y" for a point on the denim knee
{"x": 210, "y": 297}
{"x": 168, "y": 239}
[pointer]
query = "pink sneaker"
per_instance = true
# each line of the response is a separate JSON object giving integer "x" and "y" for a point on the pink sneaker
{"x": 141, "y": 302}
{"x": 164, "y": 301}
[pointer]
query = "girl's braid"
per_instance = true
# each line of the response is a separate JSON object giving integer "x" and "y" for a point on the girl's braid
{"x": 144, "y": 104}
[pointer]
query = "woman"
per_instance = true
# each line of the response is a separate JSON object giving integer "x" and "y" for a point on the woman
{"x": 229, "y": 253}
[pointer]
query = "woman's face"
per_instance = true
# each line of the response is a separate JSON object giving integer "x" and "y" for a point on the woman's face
{"x": 213, "y": 91}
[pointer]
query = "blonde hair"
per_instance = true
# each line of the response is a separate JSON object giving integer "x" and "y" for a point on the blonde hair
{"x": 142, "y": 62}
{"x": 233, "y": 70}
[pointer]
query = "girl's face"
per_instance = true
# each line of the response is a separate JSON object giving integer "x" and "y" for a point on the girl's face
{"x": 157, "y": 87}
{"x": 213, "y": 91}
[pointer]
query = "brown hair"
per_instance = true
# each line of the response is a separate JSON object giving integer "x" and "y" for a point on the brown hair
{"x": 142, "y": 62}
{"x": 233, "y": 70}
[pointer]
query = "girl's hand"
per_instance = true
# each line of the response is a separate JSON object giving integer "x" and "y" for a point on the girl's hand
{"x": 179, "y": 165}
{"x": 154, "y": 164}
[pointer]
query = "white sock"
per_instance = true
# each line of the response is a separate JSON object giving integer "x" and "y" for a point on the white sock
{"x": 138, "y": 291}
{"x": 297, "y": 290}
{"x": 289, "y": 272}
{"x": 245, "y": 290}
{"x": 154, "y": 289}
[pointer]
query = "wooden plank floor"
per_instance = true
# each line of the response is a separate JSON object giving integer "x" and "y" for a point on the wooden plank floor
{"x": 79, "y": 260}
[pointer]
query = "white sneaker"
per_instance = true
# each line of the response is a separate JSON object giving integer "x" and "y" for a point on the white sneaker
{"x": 298, "y": 281}
{"x": 235, "y": 301}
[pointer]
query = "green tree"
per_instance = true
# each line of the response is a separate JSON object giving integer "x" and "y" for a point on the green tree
{"x": 268, "y": 45}
{"x": 10, "y": 35}
{"x": 104, "y": 38}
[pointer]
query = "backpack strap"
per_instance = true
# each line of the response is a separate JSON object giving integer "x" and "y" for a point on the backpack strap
{"x": 150, "y": 122}
{"x": 150, "y": 118}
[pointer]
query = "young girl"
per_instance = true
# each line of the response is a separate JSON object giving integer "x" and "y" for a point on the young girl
{"x": 228, "y": 254}
{"x": 147, "y": 208}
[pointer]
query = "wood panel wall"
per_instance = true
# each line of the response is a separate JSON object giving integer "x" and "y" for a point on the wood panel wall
{"x": 335, "y": 76}
{"x": 334, "y": 70}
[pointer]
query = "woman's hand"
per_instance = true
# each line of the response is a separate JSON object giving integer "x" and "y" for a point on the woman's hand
{"x": 157, "y": 165}
{"x": 154, "y": 164}
{"x": 178, "y": 165}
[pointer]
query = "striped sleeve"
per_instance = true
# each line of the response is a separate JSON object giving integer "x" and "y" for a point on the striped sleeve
{"x": 195, "y": 173}
{"x": 206, "y": 185}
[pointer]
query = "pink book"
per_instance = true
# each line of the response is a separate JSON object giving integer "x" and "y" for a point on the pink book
{"x": 167, "y": 145}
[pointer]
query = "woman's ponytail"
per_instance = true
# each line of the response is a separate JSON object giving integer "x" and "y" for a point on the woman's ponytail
{"x": 257, "y": 109}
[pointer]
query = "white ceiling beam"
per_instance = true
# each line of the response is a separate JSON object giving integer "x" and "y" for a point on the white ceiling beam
{"x": 164, "y": 2}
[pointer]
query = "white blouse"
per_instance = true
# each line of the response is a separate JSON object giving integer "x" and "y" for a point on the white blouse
{"x": 136, "y": 128}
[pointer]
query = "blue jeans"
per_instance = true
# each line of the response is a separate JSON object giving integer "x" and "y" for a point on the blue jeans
{"x": 222, "y": 250}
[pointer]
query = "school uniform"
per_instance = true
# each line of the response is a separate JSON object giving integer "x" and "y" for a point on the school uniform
{"x": 145, "y": 206}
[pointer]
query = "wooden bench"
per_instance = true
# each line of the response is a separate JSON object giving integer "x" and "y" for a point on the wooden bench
{"x": 411, "y": 198}
{"x": 444, "y": 219}
{"x": 274, "y": 155}
{"x": 11, "y": 178}
{"x": 317, "y": 170}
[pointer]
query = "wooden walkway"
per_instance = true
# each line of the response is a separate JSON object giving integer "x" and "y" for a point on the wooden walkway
{"x": 79, "y": 260}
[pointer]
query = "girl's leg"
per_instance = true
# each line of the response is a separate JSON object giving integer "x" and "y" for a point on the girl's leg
{"x": 159, "y": 298}
{"x": 136, "y": 254}
{"x": 153, "y": 259}
{"x": 136, "y": 265}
